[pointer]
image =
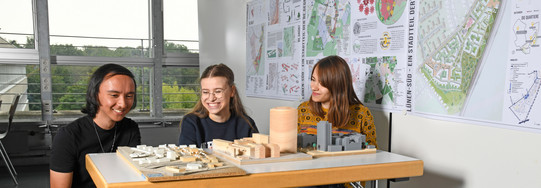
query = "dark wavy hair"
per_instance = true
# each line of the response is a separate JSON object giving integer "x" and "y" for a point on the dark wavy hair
{"x": 107, "y": 70}
{"x": 334, "y": 74}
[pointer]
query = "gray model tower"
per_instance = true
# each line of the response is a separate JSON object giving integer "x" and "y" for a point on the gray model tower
{"x": 324, "y": 135}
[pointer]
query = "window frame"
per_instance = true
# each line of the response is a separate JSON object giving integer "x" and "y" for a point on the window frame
{"x": 158, "y": 60}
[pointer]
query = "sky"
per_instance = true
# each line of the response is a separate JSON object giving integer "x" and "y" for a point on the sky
{"x": 101, "y": 18}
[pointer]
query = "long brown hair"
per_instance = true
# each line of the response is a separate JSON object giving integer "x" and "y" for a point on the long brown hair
{"x": 235, "y": 105}
{"x": 334, "y": 74}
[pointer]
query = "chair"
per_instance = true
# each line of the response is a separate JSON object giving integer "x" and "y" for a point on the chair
{"x": 3, "y": 135}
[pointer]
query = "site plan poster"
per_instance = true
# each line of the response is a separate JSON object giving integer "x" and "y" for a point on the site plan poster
{"x": 454, "y": 37}
{"x": 379, "y": 30}
{"x": 256, "y": 27}
{"x": 273, "y": 37}
{"x": 370, "y": 36}
{"x": 435, "y": 58}
{"x": 522, "y": 105}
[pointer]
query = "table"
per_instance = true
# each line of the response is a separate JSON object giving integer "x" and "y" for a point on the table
{"x": 109, "y": 170}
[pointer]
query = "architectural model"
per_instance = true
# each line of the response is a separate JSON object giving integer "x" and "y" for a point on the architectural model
{"x": 325, "y": 140}
{"x": 255, "y": 147}
{"x": 283, "y": 128}
{"x": 176, "y": 160}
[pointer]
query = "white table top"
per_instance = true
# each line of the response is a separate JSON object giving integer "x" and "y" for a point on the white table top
{"x": 116, "y": 170}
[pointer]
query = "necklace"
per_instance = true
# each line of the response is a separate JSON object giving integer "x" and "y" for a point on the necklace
{"x": 99, "y": 140}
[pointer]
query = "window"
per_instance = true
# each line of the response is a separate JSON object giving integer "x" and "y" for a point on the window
{"x": 181, "y": 47}
{"x": 104, "y": 28}
{"x": 70, "y": 84}
{"x": 180, "y": 26}
{"x": 19, "y": 80}
{"x": 17, "y": 53}
{"x": 180, "y": 89}
{"x": 87, "y": 34}
{"x": 16, "y": 25}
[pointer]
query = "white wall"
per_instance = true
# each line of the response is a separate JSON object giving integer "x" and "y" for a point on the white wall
{"x": 455, "y": 154}
{"x": 465, "y": 155}
{"x": 222, "y": 39}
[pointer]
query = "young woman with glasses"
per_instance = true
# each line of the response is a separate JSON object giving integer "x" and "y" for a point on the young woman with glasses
{"x": 219, "y": 113}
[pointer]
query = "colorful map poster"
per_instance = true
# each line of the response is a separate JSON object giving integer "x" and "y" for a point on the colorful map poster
{"x": 274, "y": 50}
{"x": 379, "y": 35}
{"x": 446, "y": 59}
{"x": 255, "y": 45}
{"x": 327, "y": 27}
{"x": 452, "y": 39}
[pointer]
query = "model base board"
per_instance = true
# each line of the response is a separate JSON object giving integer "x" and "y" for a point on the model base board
{"x": 318, "y": 153}
{"x": 284, "y": 157}
{"x": 180, "y": 168}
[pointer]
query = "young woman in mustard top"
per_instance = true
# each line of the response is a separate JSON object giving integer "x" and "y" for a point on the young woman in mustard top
{"x": 333, "y": 99}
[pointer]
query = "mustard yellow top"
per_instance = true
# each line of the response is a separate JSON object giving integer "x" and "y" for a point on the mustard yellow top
{"x": 361, "y": 121}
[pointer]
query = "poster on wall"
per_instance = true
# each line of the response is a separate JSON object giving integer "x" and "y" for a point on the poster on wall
{"x": 326, "y": 32}
{"x": 274, "y": 43}
{"x": 453, "y": 39}
{"x": 256, "y": 20}
{"x": 522, "y": 104}
{"x": 371, "y": 37}
{"x": 435, "y": 58}
{"x": 378, "y": 34}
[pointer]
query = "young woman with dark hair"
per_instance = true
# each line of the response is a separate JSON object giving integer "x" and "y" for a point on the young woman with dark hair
{"x": 219, "y": 113}
{"x": 333, "y": 99}
{"x": 110, "y": 96}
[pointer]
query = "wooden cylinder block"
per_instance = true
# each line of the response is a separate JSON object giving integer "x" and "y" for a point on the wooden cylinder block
{"x": 283, "y": 128}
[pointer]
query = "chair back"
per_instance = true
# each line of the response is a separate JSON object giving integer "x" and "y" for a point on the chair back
{"x": 12, "y": 110}
{"x": 11, "y": 114}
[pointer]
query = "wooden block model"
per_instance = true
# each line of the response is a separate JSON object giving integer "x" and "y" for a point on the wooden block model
{"x": 283, "y": 128}
{"x": 212, "y": 159}
{"x": 174, "y": 169}
{"x": 260, "y": 138}
{"x": 272, "y": 150}
{"x": 187, "y": 159}
{"x": 214, "y": 165}
{"x": 259, "y": 151}
{"x": 246, "y": 139}
{"x": 221, "y": 145}
{"x": 243, "y": 141}
{"x": 243, "y": 150}
{"x": 257, "y": 147}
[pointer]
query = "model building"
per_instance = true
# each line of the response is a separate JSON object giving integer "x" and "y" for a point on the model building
{"x": 255, "y": 147}
{"x": 177, "y": 160}
{"x": 325, "y": 140}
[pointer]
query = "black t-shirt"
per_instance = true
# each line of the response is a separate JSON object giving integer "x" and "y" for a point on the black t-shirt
{"x": 195, "y": 130}
{"x": 73, "y": 141}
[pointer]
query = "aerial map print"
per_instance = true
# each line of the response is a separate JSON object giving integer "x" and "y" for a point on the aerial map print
{"x": 452, "y": 37}
{"x": 327, "y": 27}
{"x": 381, "y": 80}
{"x": 375, "y": 80}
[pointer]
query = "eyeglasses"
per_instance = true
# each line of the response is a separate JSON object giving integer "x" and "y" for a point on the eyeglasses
{"x": 218, "y": 93}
